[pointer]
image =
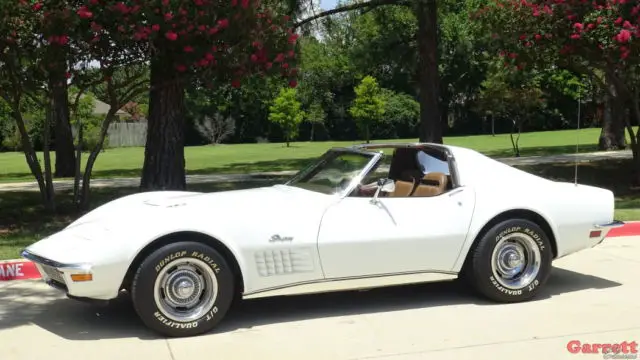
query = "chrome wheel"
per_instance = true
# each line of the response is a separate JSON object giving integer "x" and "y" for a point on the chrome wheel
{"x": 515, "y": 262}
{"x": 185, "y": 290}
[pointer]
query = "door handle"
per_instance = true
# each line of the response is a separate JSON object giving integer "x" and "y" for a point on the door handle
{"x": 457, "y": 191}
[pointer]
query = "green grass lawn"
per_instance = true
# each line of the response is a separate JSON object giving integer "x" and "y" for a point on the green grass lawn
{"x": 244, "y": 158}
{"x": 22, "y": 220}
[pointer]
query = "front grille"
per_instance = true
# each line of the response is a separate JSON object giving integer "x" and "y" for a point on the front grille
{"x": 53, "y": 274}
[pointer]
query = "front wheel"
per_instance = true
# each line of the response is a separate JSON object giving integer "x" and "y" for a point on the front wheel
{"x": 511, "y": 262}
{"x": 183, "y": 289}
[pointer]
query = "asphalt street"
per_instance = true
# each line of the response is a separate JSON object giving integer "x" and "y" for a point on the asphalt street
{"x": 591, "y": 297}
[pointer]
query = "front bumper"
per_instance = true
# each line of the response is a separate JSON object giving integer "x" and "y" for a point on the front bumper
{"x": 57, "y": 273}
{"x": 80, "y": 281}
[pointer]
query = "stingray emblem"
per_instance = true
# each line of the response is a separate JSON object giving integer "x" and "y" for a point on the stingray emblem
{"x": 278, "y": 238}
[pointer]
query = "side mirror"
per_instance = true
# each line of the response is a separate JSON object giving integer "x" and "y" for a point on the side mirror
{"x": 385, "y": 186}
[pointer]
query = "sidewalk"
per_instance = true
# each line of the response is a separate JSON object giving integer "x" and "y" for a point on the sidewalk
{"x": 199, "y": 179}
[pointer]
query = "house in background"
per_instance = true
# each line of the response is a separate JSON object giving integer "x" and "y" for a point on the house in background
{"x": 126, "y": 130}
{"x": 101, "y": 108}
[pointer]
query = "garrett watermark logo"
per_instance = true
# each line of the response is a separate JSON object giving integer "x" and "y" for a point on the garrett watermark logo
{"x": 621, "y": 350}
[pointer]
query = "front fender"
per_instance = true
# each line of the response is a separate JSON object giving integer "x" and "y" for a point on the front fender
{"x": 150, "y": 239}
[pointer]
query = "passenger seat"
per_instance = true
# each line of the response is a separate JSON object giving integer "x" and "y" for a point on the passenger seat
{"x": 403, "y": 188}
{"x": 436, "y": 184}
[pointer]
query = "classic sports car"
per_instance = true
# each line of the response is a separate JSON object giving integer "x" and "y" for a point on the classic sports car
{"x": 356, "y": 218}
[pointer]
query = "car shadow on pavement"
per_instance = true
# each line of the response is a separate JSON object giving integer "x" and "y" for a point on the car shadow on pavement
{"x": 74, "y": 320}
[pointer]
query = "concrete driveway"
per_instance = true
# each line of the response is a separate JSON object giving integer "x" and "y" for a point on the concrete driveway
{"x": 592, "y": 297}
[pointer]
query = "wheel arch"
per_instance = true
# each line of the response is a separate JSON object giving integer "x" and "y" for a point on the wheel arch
{"x": 525, "y": 214}
{"x": 185, "y": 236}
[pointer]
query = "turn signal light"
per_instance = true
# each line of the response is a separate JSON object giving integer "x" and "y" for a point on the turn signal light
{"x": 81, "y": 277}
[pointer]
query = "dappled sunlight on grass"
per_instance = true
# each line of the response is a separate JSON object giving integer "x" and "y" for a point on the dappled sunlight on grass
{"x": 23, "y": 219}
{"x": 246, "y": 158}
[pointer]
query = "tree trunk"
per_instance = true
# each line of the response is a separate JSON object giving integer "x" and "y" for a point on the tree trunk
{"x": 635, "y": 147}
{"x": 48, "y": 176}
{"x": 91, "y": 160}
{"x": 31, "y": 156}
{"x": 635, "y": 150}
{"x": 514, "y": 143}
{"x": 65, "y": 156}
{"x": 164, "y": 164}
{"x": 612, "y": 134}
{"x": 78, "y": 169}
{"x": 430, "y": 120}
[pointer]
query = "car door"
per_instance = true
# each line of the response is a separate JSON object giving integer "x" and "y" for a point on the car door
{"x": 358, "y": 237}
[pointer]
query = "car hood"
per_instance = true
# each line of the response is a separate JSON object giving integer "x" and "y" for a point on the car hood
{"x": 121, "y": 227}
{"x": 224, "y": 205}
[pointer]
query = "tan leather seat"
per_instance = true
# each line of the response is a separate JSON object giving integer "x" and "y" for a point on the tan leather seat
{"x": 403, "y": 188}
{"x": 433, "y": 184}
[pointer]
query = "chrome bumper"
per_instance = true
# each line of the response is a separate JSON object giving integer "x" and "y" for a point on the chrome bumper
{"x": 51, "y": 263}
{"x": 613, "y": 224}
{"x": 52, "y": 272}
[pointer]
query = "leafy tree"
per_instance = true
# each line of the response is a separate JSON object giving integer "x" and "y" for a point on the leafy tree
{"x": 402, "y": 115}
{"x": 24, "y": 62}
{"x": 207, "y": 42}
{"x": 316, "y": 116}
{"x": 368, "y": 106}
{"x": 511, "y": 97}
{"x": 328, "y": 76}
{"x": 594, "y": 38}
{"x": 427, "y": 69}
{"x": 286, "y": 111}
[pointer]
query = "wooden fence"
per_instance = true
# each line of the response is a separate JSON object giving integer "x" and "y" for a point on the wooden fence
{"x": 124, "y": 134}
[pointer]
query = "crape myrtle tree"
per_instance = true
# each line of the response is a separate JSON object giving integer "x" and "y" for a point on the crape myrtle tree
{"x": 25, "y": 67}
{"x": 28, "y": 21}
{"x": 193, "y": 43}
{"x": 596, "y": 38}
{"x": 49, "y": 49}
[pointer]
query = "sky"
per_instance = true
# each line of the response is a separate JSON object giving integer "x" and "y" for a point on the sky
{"x": 327, "y": 4}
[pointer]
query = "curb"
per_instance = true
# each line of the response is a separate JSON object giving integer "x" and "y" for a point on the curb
{"x": 18, "y": 269}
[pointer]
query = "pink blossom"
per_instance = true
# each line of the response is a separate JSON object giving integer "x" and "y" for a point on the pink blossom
{"x": 172, "y": 36}
{"x": 624, "y": 36}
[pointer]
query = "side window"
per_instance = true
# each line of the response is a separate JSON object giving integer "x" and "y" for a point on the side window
{"x": 368, "y": 184}
{"x": 379, "y": 172}
{"x": 431, "y": 164}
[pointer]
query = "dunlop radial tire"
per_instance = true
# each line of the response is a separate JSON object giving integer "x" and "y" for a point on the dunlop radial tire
{"x": 183, "y": 289}
{"x": 502, "y": 248}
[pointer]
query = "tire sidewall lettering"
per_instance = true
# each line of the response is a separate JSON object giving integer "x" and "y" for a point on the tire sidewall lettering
{"x": 502, "y": 289}
{"x": 524, "y": 230}
{"x": 194, "y": 254}
{"x": 191, "y": 254}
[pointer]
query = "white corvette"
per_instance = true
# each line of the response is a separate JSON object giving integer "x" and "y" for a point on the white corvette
{"x": 354, "y": 219}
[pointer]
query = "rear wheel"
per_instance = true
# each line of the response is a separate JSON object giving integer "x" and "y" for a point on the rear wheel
{"x": 511, "y": 262}
{"x": 183, "y": 289}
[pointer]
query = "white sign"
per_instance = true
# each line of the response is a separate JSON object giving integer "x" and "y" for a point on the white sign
{"x": 11, "y": 270}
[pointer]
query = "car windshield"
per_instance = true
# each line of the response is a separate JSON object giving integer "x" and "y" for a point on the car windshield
{"x": 332, "y": 172}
